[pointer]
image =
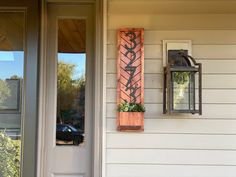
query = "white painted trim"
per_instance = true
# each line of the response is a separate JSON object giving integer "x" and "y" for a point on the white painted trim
{"x": 100, "y": 87}
{"x": 42, "y": 91}
{"x": 99, "y": 90}
{"x": 105, "y": 27}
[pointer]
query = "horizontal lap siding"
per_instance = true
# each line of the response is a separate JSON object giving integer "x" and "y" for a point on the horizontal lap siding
{"x": 154, "y": 81}
{"x": 182, "y": 145}
{"x": 210, "y": 111}
{"x": 171, "y": 157}
{"x": 213, "y": 52}
{"x": 152, "y": 7}
{"x": 156, "y": 170}
{"x": 208, "y": 96}
{"x": 199, "y": 37}
{"x": 184, "y": 126}
{"x": 171, "y": 141}
{"x": 172, "y": 22}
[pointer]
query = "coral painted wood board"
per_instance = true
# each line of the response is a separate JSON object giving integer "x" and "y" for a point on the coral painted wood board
{"x": 130, "y": 67}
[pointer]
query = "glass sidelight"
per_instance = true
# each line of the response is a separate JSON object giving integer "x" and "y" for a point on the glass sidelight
{"x": 71, "y": 80}
{"x": 12, "y": 27}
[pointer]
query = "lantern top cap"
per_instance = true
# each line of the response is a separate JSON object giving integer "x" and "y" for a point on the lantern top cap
{"x": 181, "y": 59}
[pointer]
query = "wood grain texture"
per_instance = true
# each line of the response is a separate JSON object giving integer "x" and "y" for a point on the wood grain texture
{"x": 130, "y": 77}
{"x": 12, "y": 31}
{"x": 71, "y": 35}
{"x": 130, "y": 66}
{"x": 130, "y": 121}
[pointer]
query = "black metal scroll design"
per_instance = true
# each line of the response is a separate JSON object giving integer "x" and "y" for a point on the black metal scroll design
{"x": 129, "y": 68}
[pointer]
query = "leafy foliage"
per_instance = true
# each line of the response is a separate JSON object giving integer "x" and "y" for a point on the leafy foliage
{"x": 10, "y": 156}
{"x": 131, "y": 107}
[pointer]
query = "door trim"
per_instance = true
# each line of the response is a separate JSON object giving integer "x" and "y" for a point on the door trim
{"x": 99, "y": 86}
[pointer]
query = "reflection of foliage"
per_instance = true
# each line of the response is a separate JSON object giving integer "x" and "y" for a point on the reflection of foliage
{"x": 65, "y": 85}
{"x": 65, "y": 92}
{"x": 71, "y": 93}
{"x": 131, "y": 107}
{"x": 181, "y": 77}
{"x": 15, "y": 77}
{"x": 181, "y": 80}
{"x": 80, "y": 89}
{"x": 4, "y": 91}
{"x": 10, "y": 156}
{"x": 64, "y": 77}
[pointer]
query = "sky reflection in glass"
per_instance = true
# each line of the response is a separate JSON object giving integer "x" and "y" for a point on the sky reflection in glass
{"x": 11, "y": 63}
{"x": 78, "y": 59}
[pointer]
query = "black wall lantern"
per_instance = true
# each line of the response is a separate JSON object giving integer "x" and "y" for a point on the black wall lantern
{"x": 182, "y": 84}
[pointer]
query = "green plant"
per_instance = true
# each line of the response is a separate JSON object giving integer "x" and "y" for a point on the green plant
{"x": 131, "y": 107}
{"x": 10, "y": 156}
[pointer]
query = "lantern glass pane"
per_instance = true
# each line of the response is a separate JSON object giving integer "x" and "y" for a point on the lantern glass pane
{"x": 192, "y": 91}
{"x": 196, "y": 91}
{"x": 183, "y": 91}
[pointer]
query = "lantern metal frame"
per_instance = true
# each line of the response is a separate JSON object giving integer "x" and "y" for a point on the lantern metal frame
{"x": 168, "y": 88}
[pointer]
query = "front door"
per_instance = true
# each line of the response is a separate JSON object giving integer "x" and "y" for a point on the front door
{"x": 69, "y": 91}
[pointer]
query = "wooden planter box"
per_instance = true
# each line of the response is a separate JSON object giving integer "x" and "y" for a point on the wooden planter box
{"x": 130, "y": 121}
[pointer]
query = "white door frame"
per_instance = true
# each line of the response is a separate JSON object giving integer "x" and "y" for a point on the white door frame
{"x": 99, "y": 86}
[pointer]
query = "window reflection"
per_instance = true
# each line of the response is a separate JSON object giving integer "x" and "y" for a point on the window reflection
{"x": 11, "y": 86}
{"x": 71, "y": 82}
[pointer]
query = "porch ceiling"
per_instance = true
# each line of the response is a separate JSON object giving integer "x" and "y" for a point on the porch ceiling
{"x": 173, "y": 6}
{"x": 71, "y": 36}
{"x": 11, "y": 31}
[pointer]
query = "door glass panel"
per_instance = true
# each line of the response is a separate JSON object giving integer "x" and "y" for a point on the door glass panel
{"x": 71, "y": 82}
{"x": 11, "y": 86}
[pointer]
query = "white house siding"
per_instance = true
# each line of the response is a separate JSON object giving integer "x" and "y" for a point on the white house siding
{"x": 180, "y": 145}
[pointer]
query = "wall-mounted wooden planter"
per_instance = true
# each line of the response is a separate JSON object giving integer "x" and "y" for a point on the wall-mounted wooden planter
{"x": 130, "y": 77}
{"x": 130, "y": 121}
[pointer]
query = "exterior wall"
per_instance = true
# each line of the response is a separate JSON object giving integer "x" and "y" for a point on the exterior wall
{"x": 181, "y": 145}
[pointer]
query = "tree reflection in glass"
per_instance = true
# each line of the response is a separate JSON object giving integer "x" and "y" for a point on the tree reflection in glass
{"x": 4, "y": 92}
{"x": 181, "y": 90}
{"x": 70, "y": 99}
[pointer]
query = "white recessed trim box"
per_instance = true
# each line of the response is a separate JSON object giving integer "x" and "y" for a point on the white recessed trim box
{"x": 175, "y": 45}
